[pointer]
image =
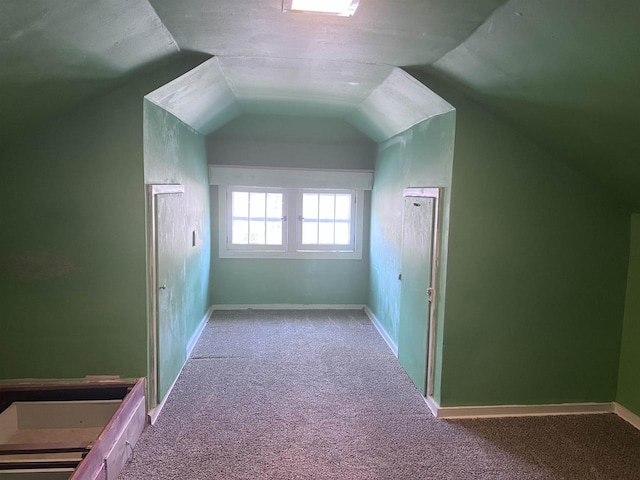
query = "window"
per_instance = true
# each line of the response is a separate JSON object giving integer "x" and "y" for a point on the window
{"x": 254, "y": 223}
{"x": 256, "y": 219}
{"x": 325, "y": 222}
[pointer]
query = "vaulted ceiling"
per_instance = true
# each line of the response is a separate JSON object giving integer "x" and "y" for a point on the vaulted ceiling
{"x": 379, "y": 100}
{"x": 565, "y": 73}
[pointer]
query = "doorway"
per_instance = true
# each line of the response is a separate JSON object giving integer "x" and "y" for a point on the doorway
{"x": 416, "y": 333}
{"x": 167, "y": 330}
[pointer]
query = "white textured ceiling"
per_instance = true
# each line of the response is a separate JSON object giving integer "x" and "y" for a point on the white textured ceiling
{"x": 379, "y": 100}
{"x": 391, "y": 32}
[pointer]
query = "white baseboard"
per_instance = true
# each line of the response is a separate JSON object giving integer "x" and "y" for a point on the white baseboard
{"x": 196, "y": 335}
{"x": 433, "y": 406}
{"x": 155, "y": 412}
{"x": 495, "y": 411}
{"x": 627, "y": 415}
{"x": 383, "y": 333}
{"x": 290, "y": 306}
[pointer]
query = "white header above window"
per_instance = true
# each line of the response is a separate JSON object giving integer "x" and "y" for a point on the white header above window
{"x": 289, "y": 177}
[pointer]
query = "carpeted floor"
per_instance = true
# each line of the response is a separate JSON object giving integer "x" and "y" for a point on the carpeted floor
{"x": 318, "y": 395}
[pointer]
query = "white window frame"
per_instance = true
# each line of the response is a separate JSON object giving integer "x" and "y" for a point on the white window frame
{"x": 327, "y": 247}
{"x": 293, "y": 204}
{"x": 229, "y": 221}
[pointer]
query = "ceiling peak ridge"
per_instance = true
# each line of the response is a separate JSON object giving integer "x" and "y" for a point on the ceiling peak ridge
{"x": 226, "y": 78}
{"x": 164, "y": 27}
{"x": 488, "y": 19}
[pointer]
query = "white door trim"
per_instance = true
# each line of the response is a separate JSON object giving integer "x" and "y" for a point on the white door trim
{"x": 435, "y": 193}
{"x": 152, "y": 193}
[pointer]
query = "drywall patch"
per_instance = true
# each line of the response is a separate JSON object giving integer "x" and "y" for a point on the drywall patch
{"x": 31, "y": 265}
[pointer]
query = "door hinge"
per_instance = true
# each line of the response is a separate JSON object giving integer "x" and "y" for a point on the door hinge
{"x": 430, "y": 294}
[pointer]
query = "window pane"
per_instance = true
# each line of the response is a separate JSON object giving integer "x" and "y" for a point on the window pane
{"x": 257, "y": 212}
{"x": 240, "y": 213}
{"x": 274, "y": 206}
{"x": 325, "y": 232}
{"x": 240, "y": 232}
{"x": 326, "y": 206}
{"x": 257, "y": 205}
{"x": 343, "y": 207}
{"x": 257, "y": 232}
{"x": 309, "y": 232}
{"x": 240, "y": 204}
{"x": 274, "y": 233}
{"x": 342, "y": 233}
{"x": 274, "y": 219}
{"x": 310, "y": 205}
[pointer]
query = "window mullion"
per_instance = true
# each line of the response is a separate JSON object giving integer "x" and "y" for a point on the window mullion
{"x": 318, "y": 220}
{"x": 334, "y": 218}
{"x": 292, "y": 208}
{"x": 249, "y": 218}
{"x": 354, "y": 218}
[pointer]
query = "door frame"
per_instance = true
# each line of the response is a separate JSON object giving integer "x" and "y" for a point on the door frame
{"x": 436, "y": 194}
{"x": 153, "y": 190}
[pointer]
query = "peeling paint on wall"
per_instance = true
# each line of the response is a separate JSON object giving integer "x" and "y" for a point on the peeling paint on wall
{"x": 28, "y": 265}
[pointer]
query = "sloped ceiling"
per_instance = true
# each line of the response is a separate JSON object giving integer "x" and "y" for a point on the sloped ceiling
{"x": 562, "y": 72}
{"x": 390, "y": 32}
{"x": 379, "y": 100}
{"x": 566, "y": 73}
{"x": 54, "y": 54}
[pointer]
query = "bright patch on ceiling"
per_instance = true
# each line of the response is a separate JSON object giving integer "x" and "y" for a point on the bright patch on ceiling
{"x": 343, "y": 8}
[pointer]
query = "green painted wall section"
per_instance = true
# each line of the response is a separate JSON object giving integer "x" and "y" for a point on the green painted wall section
{"x": 419, "y": 157}
{"x": 536, "y": 272}
{"x": 629, "y": 377}
{"x": 297, "y": 282}
{"x": 176, "y": 154}
{"x": 565, "y": 74}
{"x": 288, "y": 141}
{"x": 72, "y": 252}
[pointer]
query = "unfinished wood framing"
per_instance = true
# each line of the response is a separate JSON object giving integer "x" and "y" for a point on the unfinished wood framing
{"x": 52, "y": 430}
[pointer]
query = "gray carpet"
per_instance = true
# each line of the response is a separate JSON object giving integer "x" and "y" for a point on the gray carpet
{"x": 318, "y": 395}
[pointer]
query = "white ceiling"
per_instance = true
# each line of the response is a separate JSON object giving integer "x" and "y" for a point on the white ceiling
{"x": 379, "y": 100}
{"x": 398, "y": 32}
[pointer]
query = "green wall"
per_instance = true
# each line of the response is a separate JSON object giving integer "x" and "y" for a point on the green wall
{"x": 629, "y": 377}
{"x": 419, "y": 157}
{"x": 72, "y": 252}
{"x": 289, "y": 141}
{"x": 176, "y": 154}
{"x": 536, "y": 273}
